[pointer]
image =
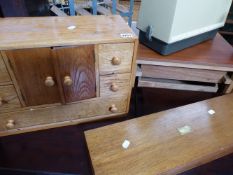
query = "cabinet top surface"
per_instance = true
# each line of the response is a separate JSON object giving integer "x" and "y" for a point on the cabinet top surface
{"x": 31, "y": 32}
{"x": 157, "y": 146}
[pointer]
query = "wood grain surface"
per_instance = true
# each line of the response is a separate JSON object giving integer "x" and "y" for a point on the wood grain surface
{"x": 79, "y": 64}
{"x": 156, "y": 146}
{"x": 18, "y": 33}
{"x": 121, "y": 81}
{"x": 9, "y": 99}
{"x": 56, "y": 116}
{"x": 176, "y": 85}
{"x": 4, "y": 76}
{"x": 122, "y": 51}
{"x": 215, "y": 54}
{"x": 31, "y": 67}
{"x": 186, "y": 74}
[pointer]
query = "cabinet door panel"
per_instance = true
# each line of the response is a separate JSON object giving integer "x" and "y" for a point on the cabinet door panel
{"x": 77, "y": 64}
{"x": 31, "y": 68}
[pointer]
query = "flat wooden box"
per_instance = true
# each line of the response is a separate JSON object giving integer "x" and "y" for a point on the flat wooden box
{"x": 164, "y": 143}
{"x": 57, "y": 71}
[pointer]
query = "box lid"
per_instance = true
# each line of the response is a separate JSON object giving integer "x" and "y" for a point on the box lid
{"x": 30, "y": 32}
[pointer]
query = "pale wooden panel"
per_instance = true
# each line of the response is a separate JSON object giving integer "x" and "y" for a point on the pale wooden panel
{"x": 30, "y": 32}
{"x": 156, "y": 147}
{"x": 134, "y": 70}
{"x": 122, "y": 81}
{"x": 13, "y": 78}
{"x": 120, "y": 8}
{"x": 228, "y": 89}
{"x": 82, "y": 11}
{"x": 123, "y": 51}
{"x": 173, "y": 84}
{"x": 4, "y": 76}
{"x": 186, "y": 74}
{"x": 9, "y": 99}
{"x": 103, "y": 11}
{"x": 57, "y": 11}
{"x": 39, "y": 118}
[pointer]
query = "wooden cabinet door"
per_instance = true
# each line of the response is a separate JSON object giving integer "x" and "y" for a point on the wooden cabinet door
{"x": 31, "y": 68}
{"x": 75, "y": 68}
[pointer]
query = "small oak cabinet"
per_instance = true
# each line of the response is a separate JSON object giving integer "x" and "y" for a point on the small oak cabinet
{"x": 55, "y": 75}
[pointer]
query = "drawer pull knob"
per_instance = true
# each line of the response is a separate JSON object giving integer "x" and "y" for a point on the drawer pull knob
{"x": 68, "y": 81}
{"x": 1, "y": 103}
{"x": 113, "y": 108}
{"x": 10, "y": 124}
{"x": 49, "y": 82}
{"x": 114, "y": 87}
{"x": 116, "y": 61}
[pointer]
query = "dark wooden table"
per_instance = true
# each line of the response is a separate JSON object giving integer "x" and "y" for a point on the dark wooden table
{"x": 202, "y": 61}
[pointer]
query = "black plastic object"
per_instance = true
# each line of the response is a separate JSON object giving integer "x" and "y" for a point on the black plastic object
{"x": 166, "y": 49}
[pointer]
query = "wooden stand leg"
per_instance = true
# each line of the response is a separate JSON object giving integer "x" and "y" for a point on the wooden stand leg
{"x": 229, "y": 88}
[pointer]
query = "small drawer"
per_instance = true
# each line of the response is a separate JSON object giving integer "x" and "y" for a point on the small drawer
{"x": 4, "y": 76}
{"x": 183, "y": 74}
{"x": 43, "y": 118}
{"x": 115, "y": 84}
{"x": 8, "y": 99}
{"x": 115, "y": 58}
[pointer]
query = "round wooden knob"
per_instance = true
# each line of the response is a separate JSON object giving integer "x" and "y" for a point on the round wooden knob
{"x": 113, "y": 108}
{"x": 116, "y": 61}
{"x": 10, "y": 124}
{"x": 49, "y": 82}
{"x": 114, "y": 87}
{"x": 68, "y": 81}
{"x": 1, "y": 101}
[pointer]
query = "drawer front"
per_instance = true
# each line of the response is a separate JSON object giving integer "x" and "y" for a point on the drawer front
{"x": 184, "y": 74}
{"x": 115, "y": 85}
{"x": 115, "y": 58}
{"x": 23, "y": 121}
{"x": 4, "y": 76}
{"x": 8, "y": 99}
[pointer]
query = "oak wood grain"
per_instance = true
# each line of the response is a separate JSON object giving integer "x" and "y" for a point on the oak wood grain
{"x": 186, "y": 74}
{"x": 13, "y": 78}
{"x": 133, "y": 70}
{"x": 122, "y": 51}
{"x": 9, "y": 99}
{"x": 120, "y": 81}
{"x": 215, "y": 54}
{"x": 39, "y": 48}
{"x": 31, "y": 68}
{"x": 228, "y": 89}
{"x": 44, "y": 118}
{"x": 78, "y": 63}
{"x": 176, "y": 84}
{"x": 31, "y": 32}
{"x": 156, "y": 146}
{"x": 4, "y": 76}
